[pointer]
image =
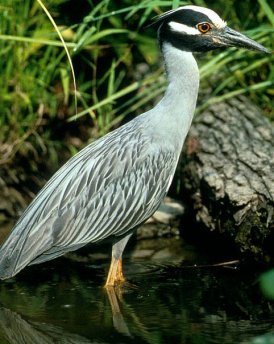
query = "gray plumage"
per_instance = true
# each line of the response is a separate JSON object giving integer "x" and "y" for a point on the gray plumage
{"x": 113, "y": 185}
{"x": 110, "y": 187}
{"x": 106, "y": 190}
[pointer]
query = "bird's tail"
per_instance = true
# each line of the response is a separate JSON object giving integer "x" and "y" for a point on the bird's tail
{"x": 8, "y": 257}
{"x": 20, "y": 249}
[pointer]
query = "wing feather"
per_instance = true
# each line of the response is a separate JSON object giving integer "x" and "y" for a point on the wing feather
{"x": 107, "y": 189}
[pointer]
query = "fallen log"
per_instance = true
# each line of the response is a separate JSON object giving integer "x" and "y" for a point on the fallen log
{"x": 227, "y": 175}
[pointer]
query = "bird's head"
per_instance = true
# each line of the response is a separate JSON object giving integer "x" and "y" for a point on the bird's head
{"x": 199, "y": 29}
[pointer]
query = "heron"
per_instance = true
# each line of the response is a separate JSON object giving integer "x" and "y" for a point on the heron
{"x": 112, "y": 186}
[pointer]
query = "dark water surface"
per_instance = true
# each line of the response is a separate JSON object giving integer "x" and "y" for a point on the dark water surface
{"x": 168, "y": 300}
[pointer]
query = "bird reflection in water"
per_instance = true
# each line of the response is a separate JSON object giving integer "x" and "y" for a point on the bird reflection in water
{"x": 115, "y": 296}
{"x": 17, "y": 329}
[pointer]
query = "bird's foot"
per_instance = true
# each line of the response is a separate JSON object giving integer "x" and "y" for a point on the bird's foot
{"x": 115, "y": 274}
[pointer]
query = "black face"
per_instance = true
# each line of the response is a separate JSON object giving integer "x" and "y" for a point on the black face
{"x": 198, "y": 33}
{"x": 185, "y": 16}
{"x": 185, "y": 41}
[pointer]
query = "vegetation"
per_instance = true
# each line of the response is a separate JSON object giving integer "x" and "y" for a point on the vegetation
{"x": 118, "y": 75}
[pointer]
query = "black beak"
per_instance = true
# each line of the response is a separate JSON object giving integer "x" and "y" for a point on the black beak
{"x": 232, "y": 38}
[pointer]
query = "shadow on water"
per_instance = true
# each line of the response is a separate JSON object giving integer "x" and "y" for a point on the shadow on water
{"x": 167, "y": 300}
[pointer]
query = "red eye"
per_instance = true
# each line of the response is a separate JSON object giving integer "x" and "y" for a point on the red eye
{"x": 204, "y": 27}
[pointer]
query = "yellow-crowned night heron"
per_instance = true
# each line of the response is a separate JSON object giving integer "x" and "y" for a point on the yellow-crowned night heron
{"x": 116, "y": 183}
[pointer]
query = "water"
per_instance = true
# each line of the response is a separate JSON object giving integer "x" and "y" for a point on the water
{"x": 167, "y": 300}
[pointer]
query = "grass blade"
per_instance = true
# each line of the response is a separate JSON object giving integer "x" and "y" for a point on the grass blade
{"x": 66, "y": 49}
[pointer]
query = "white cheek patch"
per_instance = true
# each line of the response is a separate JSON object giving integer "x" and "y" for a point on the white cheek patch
{"x": 182, "y": 28}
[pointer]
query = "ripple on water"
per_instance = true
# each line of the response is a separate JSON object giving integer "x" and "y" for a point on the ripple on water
{"x": 167, "y": 300}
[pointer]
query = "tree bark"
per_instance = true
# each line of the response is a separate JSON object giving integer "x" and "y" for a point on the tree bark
{"x": 227, "y": 172}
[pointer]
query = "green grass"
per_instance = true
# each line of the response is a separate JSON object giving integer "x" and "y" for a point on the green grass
{"x": 117, "y": 68}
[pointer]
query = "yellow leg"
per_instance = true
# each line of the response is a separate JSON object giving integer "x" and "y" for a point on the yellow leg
{"x": 115, "y": 273}
{"x": 120, "y": 274}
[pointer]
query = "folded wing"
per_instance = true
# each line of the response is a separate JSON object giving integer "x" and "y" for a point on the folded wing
{"x": 107, "y": 189}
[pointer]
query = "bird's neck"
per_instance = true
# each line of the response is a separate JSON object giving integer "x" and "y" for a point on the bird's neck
{"x": 182, "y": 73}
{"x": 178, "y": 104}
